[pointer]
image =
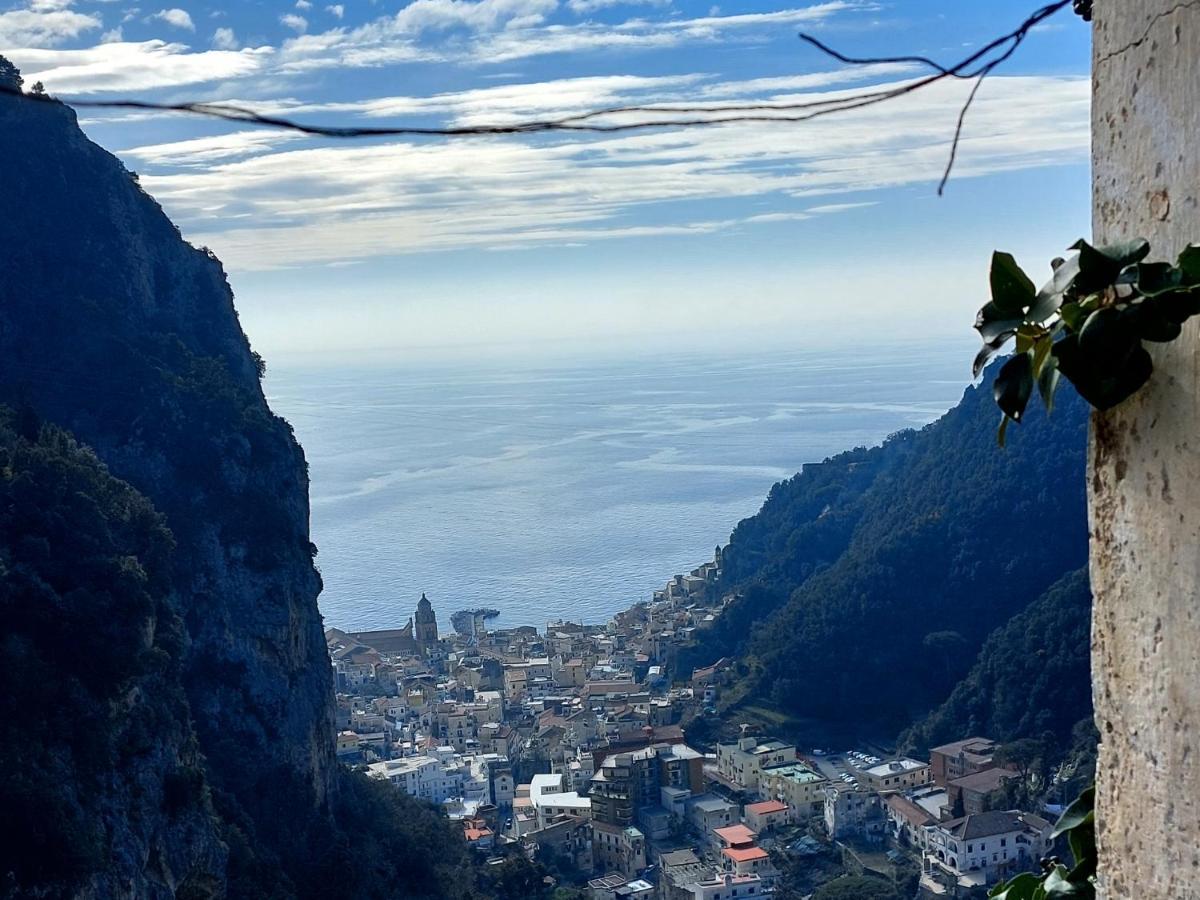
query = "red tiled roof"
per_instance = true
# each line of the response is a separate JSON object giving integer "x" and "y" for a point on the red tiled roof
{"x": 766, "y": 807}
{"x": 745, "y": 854}
{"x": 735, "y": 834}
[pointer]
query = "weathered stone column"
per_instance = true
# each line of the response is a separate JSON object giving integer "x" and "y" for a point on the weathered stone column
{"x": 1144, "y": 478}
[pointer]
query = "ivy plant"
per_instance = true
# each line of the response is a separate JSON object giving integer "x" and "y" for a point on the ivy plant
{"x": 1078, "y": 823}
{"x": 1087, "y": 324}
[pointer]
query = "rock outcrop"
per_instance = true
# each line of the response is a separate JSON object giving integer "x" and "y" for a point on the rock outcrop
{"x": 116, "y": 330}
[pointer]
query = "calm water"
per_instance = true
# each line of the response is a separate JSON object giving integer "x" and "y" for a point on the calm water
{"x": 569, "y": 490}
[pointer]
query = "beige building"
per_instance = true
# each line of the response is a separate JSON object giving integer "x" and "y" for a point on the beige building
{"x": 768, "y": 814}
{"x": 896, "y": 775}
{"x": 618, "y": 849}
{"x": 743, "y": 762}
{"x": 795, "y": 784}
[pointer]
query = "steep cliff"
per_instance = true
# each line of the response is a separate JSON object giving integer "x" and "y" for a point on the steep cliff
{"x": 103, "y": 792}
{"x": 114, "y": 328}
{"x": 119, "y": 333}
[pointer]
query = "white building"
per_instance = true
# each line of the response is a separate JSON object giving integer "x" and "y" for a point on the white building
{"x": 568, "y": 803}
{"x": 421, "y": 776}
{"x": 984, "y": 848}
{"x": 727, "y": 886}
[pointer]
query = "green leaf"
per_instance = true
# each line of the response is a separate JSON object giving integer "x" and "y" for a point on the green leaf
{"x": 1189, "y": 263}
{"x": 1058, "y": 884}
{"x": 1014, "y": 384}
{"x": 1149, "y": 321}
{"x": 1073, "y": 315}
{"x": 1121, "y": 254}
{"x": 1012, "y": 291}
{"x": 1100, "y": 267}
{"x": 1179, "y": 306}
{"x": 1106, "y": 381}
{"x": 1047, "y": 382}
{"x": 987, "y": 351}
{"x": 1041, "y": 353}
{"x": 1080, "y": 813}
{"x": 1052, "y": 294}
{"x": 990, "y": 328}
{"x": 1157, "y": 278}
{"x": 1025, "y": 886}
{"x": 1106, "y": 335}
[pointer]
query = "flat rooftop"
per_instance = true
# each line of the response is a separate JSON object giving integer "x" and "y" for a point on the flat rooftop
{"x": 896, "y": 767}
{"x": 797, "y": 772}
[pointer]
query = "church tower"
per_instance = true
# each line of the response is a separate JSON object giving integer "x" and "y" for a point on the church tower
{"x": 425, "y": 625}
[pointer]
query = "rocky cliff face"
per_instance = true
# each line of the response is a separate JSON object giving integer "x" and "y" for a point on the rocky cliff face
{"x": 103, "y": 788}
{"x": 115, "y": 329}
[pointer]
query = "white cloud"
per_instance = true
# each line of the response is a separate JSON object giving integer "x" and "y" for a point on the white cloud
{"x": 583, "y": 7}
{"x": 510, "y": 102}
{"x": 298, "y": 24}
{"x": 44, "y": 25}
{"x": 337, "y": 10}
{"x": 201, "y": 151}
{"x": 483, "y": 15}
{"x": 136, "y": 66}
{"x": 175, "y": 17}
{"x": 345, "y": 202}
{"x": 113, "y": 36}
{"x": 224, "y": 39}
{"x": 494, "y": 31}
{"x": 644, "y": 34}
{"x": 303, "y": 4}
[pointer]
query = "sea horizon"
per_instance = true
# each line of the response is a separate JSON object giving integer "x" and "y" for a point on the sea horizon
{"x": 560, "y": 489}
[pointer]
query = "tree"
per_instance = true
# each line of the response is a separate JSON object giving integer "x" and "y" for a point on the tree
{"x": 10, "y": 76}
{"x": 949, "y": 648}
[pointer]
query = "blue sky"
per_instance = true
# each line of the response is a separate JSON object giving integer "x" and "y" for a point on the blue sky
{"x": 662, "y": 241}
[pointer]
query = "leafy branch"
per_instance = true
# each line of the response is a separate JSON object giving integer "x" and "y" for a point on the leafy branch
{"x": 1078, "y": 823}
{"x": 1088, "y": 323}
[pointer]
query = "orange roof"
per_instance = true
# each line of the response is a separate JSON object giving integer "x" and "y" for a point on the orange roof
{"x": 766, "y": 806}
{"x": 733, "y": 835}
{"x": 474, "y": 834}
{"x": 745, "y": 854}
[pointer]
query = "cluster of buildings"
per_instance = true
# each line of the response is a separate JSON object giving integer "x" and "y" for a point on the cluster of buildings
{"x": 566, "y": 745}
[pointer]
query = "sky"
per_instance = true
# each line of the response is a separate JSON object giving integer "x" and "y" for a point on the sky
{"x": 742, "y": 236}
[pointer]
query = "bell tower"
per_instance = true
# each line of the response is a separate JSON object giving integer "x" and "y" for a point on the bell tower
{"x": 425, "y": 628}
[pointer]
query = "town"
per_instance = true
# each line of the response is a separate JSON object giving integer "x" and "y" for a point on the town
{"x": 569, "y": 746}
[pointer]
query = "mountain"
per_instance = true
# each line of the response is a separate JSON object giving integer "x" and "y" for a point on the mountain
{"x": 117, "y": 335}
{"x": 1032, "y": 677}
{"x": 867, "y": 584}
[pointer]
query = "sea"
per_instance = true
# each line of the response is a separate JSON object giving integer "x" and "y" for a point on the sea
{"x": 571, "y": 490}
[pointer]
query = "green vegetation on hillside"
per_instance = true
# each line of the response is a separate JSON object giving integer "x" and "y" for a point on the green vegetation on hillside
{"x": 867, "y": 584}
{"x": 1032, "y": 677}
{"x": 95, "y": 737}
